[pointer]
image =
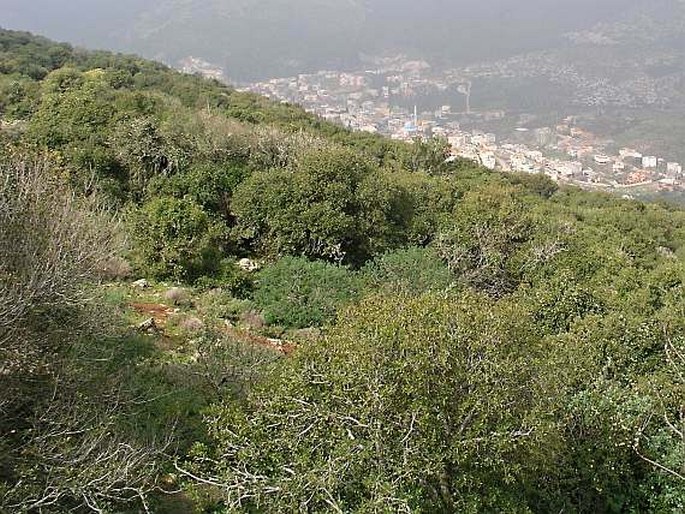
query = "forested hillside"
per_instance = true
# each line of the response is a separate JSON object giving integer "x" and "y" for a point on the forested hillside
{"x": 214, "y": 303}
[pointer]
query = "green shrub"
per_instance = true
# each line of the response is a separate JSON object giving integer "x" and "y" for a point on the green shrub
{"x": 333, "y": 204}
{"x": 484, "y": 242}
{"x": 538, "y": 183}
{"x": 401, "y": 399}
{"x": 410, "y": 271}
{"x": 218, "y": 304}
{"x": 210, "y": 185}
{"x": 297, "y": 293}
{"x": 176, "y": 239}
{"x": 229, "y": 277}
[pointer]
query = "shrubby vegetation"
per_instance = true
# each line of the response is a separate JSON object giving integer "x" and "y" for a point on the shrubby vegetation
{"x": 475, "y": 342}
{"x": 68, "y": 438}
{"x": 176, "y": 238}
{"x": 411, "y": 271}
{"x": 298, "y": 293}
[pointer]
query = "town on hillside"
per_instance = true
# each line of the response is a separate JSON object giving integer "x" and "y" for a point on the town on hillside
{"x": 379, "y": 101}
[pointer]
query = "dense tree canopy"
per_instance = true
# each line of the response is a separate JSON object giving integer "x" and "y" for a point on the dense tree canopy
{"x": 458, "y": 340}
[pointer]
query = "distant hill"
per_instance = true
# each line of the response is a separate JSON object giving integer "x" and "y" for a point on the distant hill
{"x": 626, "y": 76}
{"x": 261, "y": 38}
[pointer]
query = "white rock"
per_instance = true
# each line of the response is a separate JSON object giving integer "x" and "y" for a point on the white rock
{"x": 148, "y": 325}
{"x": 248, "y": 265}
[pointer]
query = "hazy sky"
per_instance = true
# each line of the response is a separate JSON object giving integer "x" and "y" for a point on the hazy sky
{"x": 258, "y": 37}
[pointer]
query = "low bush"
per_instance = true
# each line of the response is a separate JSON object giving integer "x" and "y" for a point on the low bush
{"x": 410, "y": 271}
{"x": 298, "y": 293}
{"x": 176, "y": 238}
{"x": 231, "y": 278}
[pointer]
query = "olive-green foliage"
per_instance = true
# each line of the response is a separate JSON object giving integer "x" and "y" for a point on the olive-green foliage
{"x": 216, "y": 303}
{"x": 137, "y": 130}
{"x": 481, "y": 245}
{"x": 298, "y": 293}
{"x": 333, "y": 204}
{"x": 431, "y": 404}
{"x": 537, "y": 183}
{"x": 141, "y": 149}
{"x": 18, "y": 96}
{"x": 228, "y": 276}
{"x": 229, "y": 367}
{"x": 424, "y": 203}
{"x": 175, "y": 238}
{"x": 209, "y": 185}
{"x": 25, "y": 54}
{"x": 461, "y": 403}
{"x": 613, "y": 363}
{"x": 543, "y": 372}
{"x": 411, "y": 271}
{"x": 74, "y": 118}
{"x": 429, "y": 156}
{"x": 75, "y": 107}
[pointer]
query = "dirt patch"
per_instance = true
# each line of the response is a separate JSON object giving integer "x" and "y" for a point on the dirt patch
{"x": 161, "y": 313}
{"x": 157, "y": 311}
{"x": 281, "y": 346}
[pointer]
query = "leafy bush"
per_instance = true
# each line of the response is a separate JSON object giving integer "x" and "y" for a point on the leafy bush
{"x": 297, "y": 293}
{"x": 75, "y": 108}
{"x": 18, "y": 98}
{"x": 411, "y": 271}
{"x": 176, "y": 238}
{"x": 229, "y": 276}
{"x": 428, "y": 405}
{"x": 482, "y": 243}
{"x": 426, "y": 204}
{"x": 538, "y": 183}
{"x": 333, "y": 205}
{"x": 221, "y": 305}
{"x": 209, "y": 185}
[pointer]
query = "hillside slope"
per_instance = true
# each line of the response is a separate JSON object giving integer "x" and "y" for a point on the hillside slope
{"x": 212, "y": 302}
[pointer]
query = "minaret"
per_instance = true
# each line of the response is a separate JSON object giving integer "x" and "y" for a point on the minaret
{"x": 416, "y": 117}
{"x": 468, "y": 99}
{"x": 465, "y": 89}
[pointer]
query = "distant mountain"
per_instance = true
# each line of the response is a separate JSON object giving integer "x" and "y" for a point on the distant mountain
{"x": 261, "y": 38}
{"x": 634, "y": 59}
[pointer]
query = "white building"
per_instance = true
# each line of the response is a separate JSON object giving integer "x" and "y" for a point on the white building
{"x": 629, "y": 153}
{"x": 521, "y": 164}
{"x": 674, "y": 168}
{"x": 649, "y": 161}
{"x": 568, "y": 169}
{"x": 480, "y": 139}
{"x": 488, "y": 160}
{"x": 535, "y": 155}
{"x": 458, "y": 141}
